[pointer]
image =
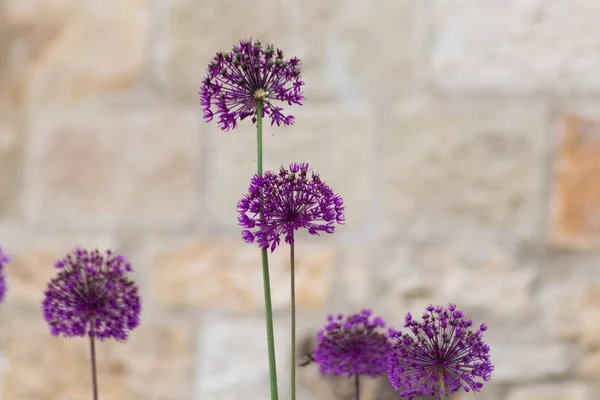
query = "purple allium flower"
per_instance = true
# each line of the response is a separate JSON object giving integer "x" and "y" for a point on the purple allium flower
{"x": 292, "y": 201}
{"x": 235, "y": 80}
{"x": 441, "y": 356}
{"x": 92, "y": 295}
{"x": 353, "y": 345}
{"x": 4, "y": 259}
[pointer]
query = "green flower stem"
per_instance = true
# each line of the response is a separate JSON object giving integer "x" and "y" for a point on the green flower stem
{"x": 293, "y": 327}
{"x": 265, "y": 266}
{"x": 93, "y": 362}
{"x": 357, "y": 386}
{"x": 442, "y": 386}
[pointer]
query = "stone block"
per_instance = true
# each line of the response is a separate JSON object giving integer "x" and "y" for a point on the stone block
{"x": 227, "y": 275}
{"x": 67, "y": 51}
{"x": 344, "y": 58}
{"x": 155, "y": 363}
{"x": 11, "y": 163}
{"x": 484, "y": 277}
{"x": 189, "y": 36}
{"x": 575, "y": 206}
{"x": 233, "y": 359}
{"x": 528, "y": 53}
{"x": 550, "y": 391}
{"x": 32, "y": 264}
{"x": 523, "y": 363}
{"x": 113, "y": 168}
{"x": 460, "y": 166}
{"x": 589, "y": 365}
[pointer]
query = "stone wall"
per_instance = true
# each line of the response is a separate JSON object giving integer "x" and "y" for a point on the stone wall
{"x": 461, "y": 135}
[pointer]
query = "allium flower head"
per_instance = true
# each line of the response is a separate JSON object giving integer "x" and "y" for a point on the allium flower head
{"x": 353, "y": 345}
{"x": 92, "y": 295}
{"x": 442, "y": 355}
{"x": 4, "y": 259}
{"x": 292, "y": 200}
{"x": 235, "y": 80}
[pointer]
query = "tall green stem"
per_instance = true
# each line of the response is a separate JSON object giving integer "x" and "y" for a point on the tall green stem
{"x": 94, "y": 373}
{"x": 442, "y": 386}
{"x": 357, "y": 386}
{"x": 265, "y": 266}
{"x": 293, "y": 327}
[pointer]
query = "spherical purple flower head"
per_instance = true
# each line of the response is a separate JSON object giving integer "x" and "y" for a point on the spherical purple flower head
{"x": 92, "y": 295}
{"x": 442, "y": 355}
{"x": 235, "y": 80}
{"x": 4, "y": 259}
{"x": 292, "y": 201}
{"x": 353, "y": 345}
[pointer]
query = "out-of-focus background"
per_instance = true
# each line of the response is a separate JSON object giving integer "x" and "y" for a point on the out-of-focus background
{"x": 463, "y": 135}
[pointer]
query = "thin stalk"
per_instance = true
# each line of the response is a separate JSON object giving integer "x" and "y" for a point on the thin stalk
{"x": 293, "y": 324}
{"x": 94, "y": 373}
{"x": 357, "y": 386}
{"x": 265, "y": 266}
{"x": 442, "y": 387}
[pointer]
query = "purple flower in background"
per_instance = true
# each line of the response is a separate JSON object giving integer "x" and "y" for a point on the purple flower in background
{"x": 235, "y": 80}
{"x": 292, "y": 201}
{"x": 4, "y": 259}
{"x": 353, "y": 345}
{"x": 442, "y": 355}
{"x": 92, "y": 295}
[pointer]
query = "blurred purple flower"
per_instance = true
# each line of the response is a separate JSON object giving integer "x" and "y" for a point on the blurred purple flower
{"x": 353, "y": 345}
{"x": 4, "y": 259}
{"x": 92, "y": 295}
{"x": 292, "y": 201}
{"x": 235, "y": 80}
{"x": 441, "y": 356}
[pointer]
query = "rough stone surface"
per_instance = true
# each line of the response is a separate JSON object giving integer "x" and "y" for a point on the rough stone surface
{"x": 570, "y": 302}
{"x": 153, "y": 364}
{"x": 28, "y": 12}
{"x": 529, "y": 52}
{"x": 561, "y": 301}
{"x": 589, "y": 366}
{"x": 492, "y": 278}
{"x": 548, "y": 391}
{"x": 576, "y": 190}
{"x": 521, "y": 363}
{"x": 337, "y": 142}
{"x": 590, "y": 316}
{"x": 113, "y": 168}
{"x": 182, "y": 58}
{"x": 485, "y": 176}
{"x": 477, "y": 276}
{"x": 33, "y": 262}
{"x": 227, "y": 275}
{"x": 11, "y": 158}
{"x": 341, "y": 52}
{"x": 75, "y": 50}
{"x": 160, "y": 359}
{"x": 357, "y": 279}
{"x": 231, "y": 363}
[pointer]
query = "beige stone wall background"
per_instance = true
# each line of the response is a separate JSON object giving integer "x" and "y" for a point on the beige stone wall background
{"x": 462, "y": 135}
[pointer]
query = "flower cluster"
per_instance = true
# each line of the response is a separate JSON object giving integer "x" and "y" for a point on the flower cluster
{"x": 281, "y": 203}
{"x": 4, "y": 259}
{"x": 353, "y": 345}
{"x": 92, "y": 295}
{"x": 442, "y": 355}
{"x": 236, "y": 80}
